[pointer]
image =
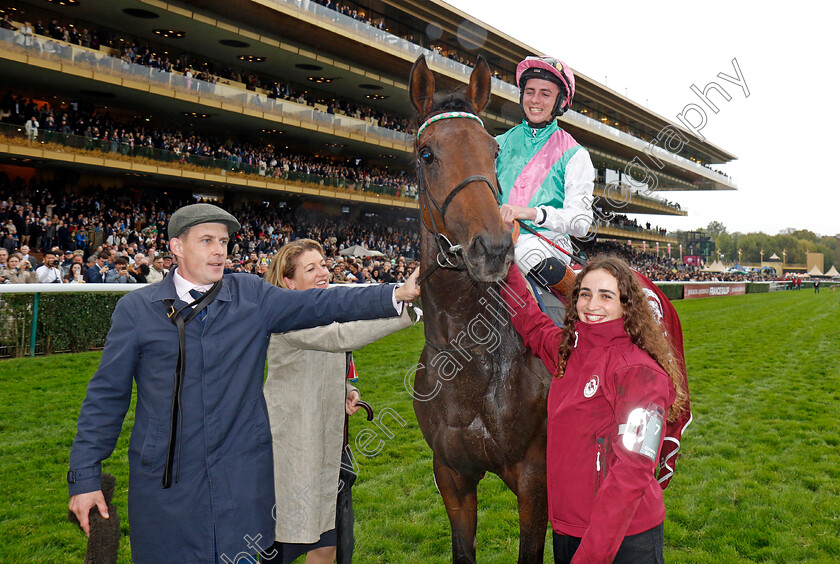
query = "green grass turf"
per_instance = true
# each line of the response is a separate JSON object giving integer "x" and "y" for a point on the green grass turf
{"x": 758, "y": 479}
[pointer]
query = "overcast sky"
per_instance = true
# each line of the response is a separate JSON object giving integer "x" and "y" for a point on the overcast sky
{"x": 784, "y": 134}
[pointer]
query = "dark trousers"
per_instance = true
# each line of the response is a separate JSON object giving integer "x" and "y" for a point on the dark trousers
{"x": 285, "y": 553}
{"x": 644, "y": 548}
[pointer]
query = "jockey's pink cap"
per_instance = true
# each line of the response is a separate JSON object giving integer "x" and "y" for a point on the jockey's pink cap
{"x": 551, "y": 69}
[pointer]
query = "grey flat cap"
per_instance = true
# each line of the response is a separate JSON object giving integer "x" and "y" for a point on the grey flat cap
{"x": 195, "y": 214}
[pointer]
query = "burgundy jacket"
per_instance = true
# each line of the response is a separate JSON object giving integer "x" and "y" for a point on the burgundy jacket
{"x": 597, "y": 489}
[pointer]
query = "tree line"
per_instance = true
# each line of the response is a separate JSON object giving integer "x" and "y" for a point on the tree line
{"x": 795, "y": 243}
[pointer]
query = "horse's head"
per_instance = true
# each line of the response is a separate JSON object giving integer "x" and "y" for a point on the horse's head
{"x": 457, "y": 173}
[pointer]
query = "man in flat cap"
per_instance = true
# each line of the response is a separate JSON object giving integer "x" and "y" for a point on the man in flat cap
{"x": 200, "y": 457}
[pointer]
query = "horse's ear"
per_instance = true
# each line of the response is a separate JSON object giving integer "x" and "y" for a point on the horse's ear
{"x": 478, "y": 90}
{"x": 421, "y": 87}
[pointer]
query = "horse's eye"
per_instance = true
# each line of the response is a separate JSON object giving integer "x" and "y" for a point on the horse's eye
{"x": 427, "y": 155}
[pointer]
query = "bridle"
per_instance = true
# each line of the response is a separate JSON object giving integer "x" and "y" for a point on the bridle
{"x": 449, "y": 255}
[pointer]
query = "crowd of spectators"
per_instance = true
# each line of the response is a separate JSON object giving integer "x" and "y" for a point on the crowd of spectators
{"x": 133, "y": 52}
{"x": 119, "y": 234}
{"x": 358, "y": 13}
{"x": 206, "y": 71}
{"x": 94, "y": 235}
{"x": 54, "y": 30}
{"x": 355, "y": 12}
{"x": 623, "y": 221}
{"x": 661, "y": 268}
{"x": 100, "y": 130}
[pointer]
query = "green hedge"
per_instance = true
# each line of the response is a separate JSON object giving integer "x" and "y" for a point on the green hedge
{"x": 66, "y": 322}
{"x": 672, "y": 291}
{"x": 758, "y": 287}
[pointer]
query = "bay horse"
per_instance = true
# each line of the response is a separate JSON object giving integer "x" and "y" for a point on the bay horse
{"x": 479, "y": 395}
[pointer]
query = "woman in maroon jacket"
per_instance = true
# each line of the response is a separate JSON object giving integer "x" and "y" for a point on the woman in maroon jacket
{"x": 616, "y": 383}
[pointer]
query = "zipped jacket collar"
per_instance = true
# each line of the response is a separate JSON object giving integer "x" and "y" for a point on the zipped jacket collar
{"x": 604, "y": 334}
{"x": 541, "y": 133}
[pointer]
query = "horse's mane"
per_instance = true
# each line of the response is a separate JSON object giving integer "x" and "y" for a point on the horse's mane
{"x": 455, "y": 101}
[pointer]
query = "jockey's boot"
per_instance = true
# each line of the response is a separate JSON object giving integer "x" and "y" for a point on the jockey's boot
{"x": 551, "y": 273}
{"x": 563, "y": 288}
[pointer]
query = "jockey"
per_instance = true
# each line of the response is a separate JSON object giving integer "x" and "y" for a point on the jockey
{"x": 545, "y": 176}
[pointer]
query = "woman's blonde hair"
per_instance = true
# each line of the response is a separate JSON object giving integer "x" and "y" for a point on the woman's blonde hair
{"x": 641, "y": 326}
{"x": 284, "y": 263}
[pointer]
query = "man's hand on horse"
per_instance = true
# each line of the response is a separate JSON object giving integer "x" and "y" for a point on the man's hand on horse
{"x": 511, "y": 213}
{"x": 351, "y": 404}
{"x": 81, "y": 505}
{"x": 409, "y": 291}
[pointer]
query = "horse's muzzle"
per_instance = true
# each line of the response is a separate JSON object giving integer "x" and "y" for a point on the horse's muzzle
{"x": 488, "y": 258}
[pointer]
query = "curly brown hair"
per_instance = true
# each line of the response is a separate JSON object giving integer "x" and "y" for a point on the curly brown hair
{"x": 639, "y": 322}
{"x": 284, "y": 263}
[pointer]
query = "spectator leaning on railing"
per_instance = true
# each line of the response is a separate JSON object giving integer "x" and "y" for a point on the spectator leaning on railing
{"x": 18, "y": 271}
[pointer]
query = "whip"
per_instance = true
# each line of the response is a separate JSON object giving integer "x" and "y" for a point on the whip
{"x": 533, "y": 231}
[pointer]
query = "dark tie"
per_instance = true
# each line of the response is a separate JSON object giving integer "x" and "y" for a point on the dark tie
{"x": 196, "y": 294}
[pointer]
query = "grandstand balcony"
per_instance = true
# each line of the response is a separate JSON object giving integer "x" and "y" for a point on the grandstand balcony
{"x": 604, "y": 230}
{"x": 627, "y": 133}
{"x": 676, "y": 172}
{"x": 619, "y": 198}
{"x": 303, "y": 42}
{"x": 316, "y": 37}
{"x": 84, "y": 70}
{"x": 52, "y": 149}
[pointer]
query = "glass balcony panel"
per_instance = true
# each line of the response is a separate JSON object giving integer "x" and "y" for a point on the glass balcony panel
{"x": 44, "y": 48}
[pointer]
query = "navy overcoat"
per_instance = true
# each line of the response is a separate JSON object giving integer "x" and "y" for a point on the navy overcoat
{"x": 224, "y": 495}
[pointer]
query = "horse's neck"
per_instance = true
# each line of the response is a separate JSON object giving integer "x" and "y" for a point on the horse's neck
{"x": 460, "y": 313}
{"x": 457, "y": 311}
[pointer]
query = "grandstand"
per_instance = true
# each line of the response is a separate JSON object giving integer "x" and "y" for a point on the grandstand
{"x": 293, "y": 104}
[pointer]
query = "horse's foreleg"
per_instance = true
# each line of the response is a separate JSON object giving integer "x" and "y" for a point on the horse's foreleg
{"x": 527, "y": 481}
{"x": 461, "y": 502}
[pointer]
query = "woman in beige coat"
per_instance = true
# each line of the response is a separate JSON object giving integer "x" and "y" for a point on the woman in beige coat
{"x": 307, "y": 394}
{"x": 18, "y": 271}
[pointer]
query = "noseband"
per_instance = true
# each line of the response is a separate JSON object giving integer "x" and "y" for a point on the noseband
{"x": 448, "y": 253}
